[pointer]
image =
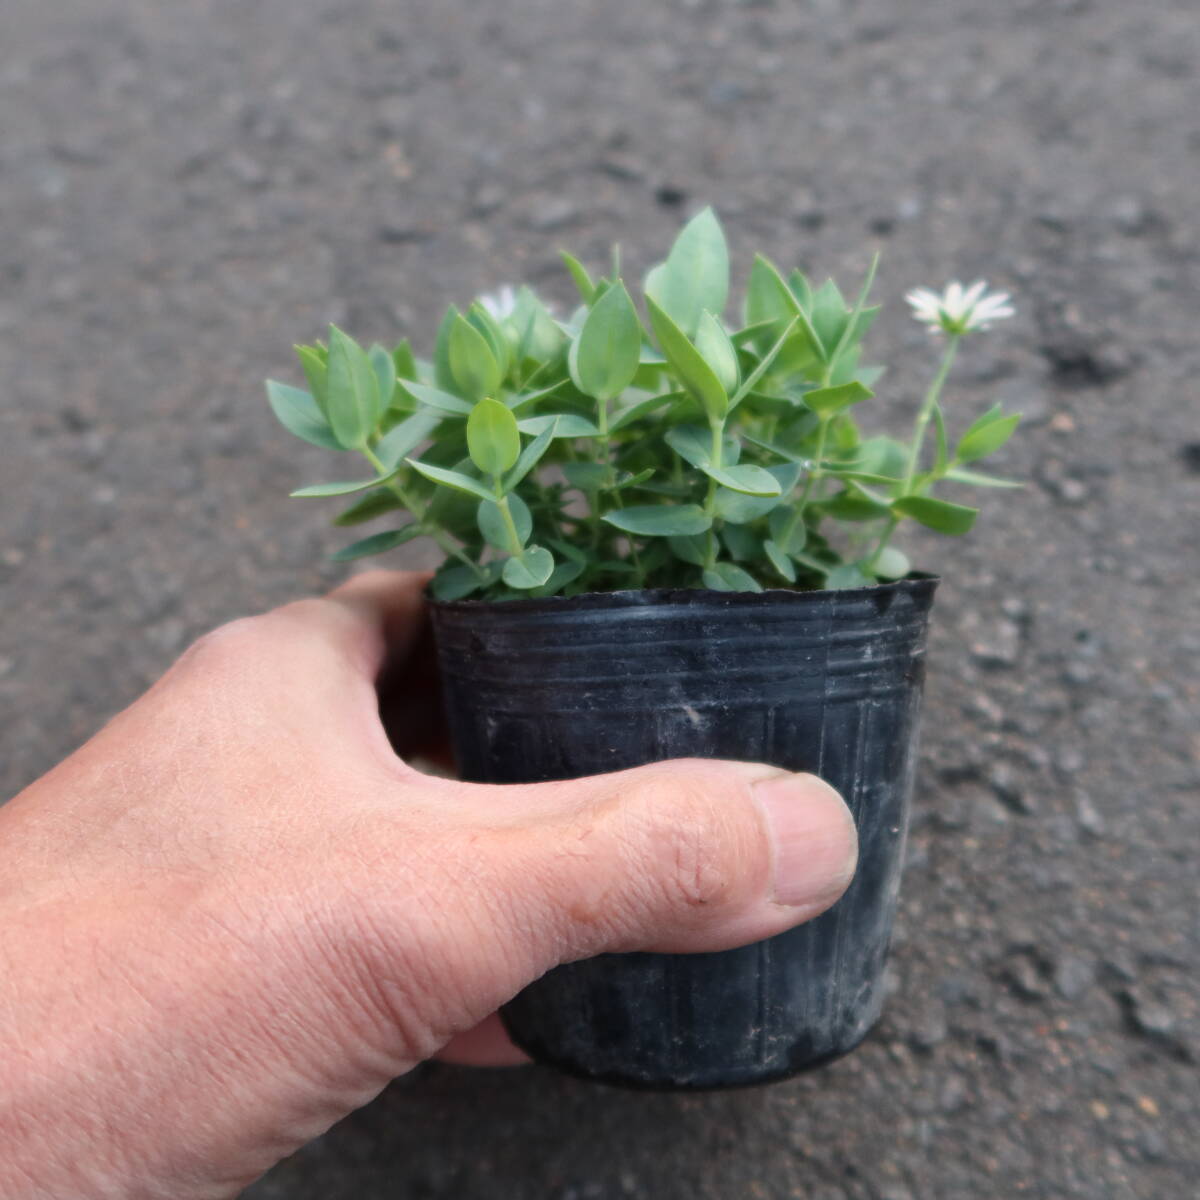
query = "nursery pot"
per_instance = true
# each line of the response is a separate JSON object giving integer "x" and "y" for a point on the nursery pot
{"x": 827, "y": 682}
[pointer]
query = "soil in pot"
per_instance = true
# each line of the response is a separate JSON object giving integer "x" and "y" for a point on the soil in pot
{"x": 827, "y": 682}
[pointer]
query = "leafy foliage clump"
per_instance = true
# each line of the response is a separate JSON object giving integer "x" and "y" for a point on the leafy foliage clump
{"x": 611, "y": 451}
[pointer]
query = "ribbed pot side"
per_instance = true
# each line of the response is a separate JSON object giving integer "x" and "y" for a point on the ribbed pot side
{"x": 827, "y": 682}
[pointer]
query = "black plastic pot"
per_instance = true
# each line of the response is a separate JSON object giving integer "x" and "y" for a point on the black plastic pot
{"x": 827, "y": 682}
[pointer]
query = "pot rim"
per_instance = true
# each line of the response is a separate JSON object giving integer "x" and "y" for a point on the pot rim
{"x": 915, "y": 581}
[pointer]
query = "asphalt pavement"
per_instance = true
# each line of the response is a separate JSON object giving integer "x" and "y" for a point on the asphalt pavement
{"x": 186, "y": 190}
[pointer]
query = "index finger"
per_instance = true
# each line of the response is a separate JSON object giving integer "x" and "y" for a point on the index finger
{"x": 388, "y": 611}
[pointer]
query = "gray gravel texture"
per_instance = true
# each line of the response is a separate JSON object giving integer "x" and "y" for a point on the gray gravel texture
{"x": 185, "y": 190}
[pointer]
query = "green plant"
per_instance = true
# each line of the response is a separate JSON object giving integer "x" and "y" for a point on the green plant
{"x": 608, "y": 451}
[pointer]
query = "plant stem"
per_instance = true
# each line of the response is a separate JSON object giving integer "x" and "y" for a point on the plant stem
{"x": 602, "y": 457}
{"x": 926, "y": 411}
{"x": 717, "y": 455}
{"x": 814, "y": 473}
{"x": 606, "y": 457}
{"x": 881, "y": 545}
{"x": 432, "y": 530}
{"x": 822, "y": 432}
{"x": 510, "y": 526}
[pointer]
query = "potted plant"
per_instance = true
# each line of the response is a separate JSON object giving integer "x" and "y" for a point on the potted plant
{"x": 665, "y": 537}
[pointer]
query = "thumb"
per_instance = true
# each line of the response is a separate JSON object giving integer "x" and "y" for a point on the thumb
{"x": 692, "y": 855}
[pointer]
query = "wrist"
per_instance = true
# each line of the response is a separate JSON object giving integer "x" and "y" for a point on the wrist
{"x": 57, "y": 1138}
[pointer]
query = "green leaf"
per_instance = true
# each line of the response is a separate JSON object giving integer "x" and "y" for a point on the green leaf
{"x": 625, "y": 480}
{"x": 843, "y": 436}
{"x": 692, "y": 443}
{"x": 604, "y": 358}
{"x": 829, "y": 316}
{"x": 472, "y": 362}
{"x": 572, "y": 553}
{"x": 770, "y": 298}
{"x": 435, "y": 398}
{"x": 562, "y": 425}
{"x": 788, "y": 536}
{"x": 936, "y": 514}
{"x": 769, "y": 301}
{"x": 754, "y": 333}
{"x": 493, "y": 439}
{"x": 318, "y": 490}
{"x": 642, "y": 408}
{"x": 583, "y": 281}
{"x": 780, "y": 561}
{"x": 497, "y": 341}
{"x": 985, "y": 437}
{"x": 892, "y": 563}
{"x": 743, "y": 544}
{"x": 530, "y": 569}
{"x": 692, "y": 548}
{"x": 298, "y": 413}
{"x": 540, "y": 338}
{"x": 881, "y": 456}
{"x": 353, "y": 399}
{"x": 521, "y": 399}
{"x": 856, "y": 503}
{"x": 401, "y": 440}
{"x": 811, "y": 563}
{"x": 741, "y": 508}
{"x": 830, "y": 400}
{"x": 454, "y": 508}
{"x": 695, "y": 276}
{"x": 728, "y": 577}
{"x": 799, "y": 286}
{"x": 588, "y": 476}
{"x": 687, "y": 363}
{"x": 442, "y": 375}
{"x": 385, "y": 374}
{"x": 660, "y": 520}
{"x": 377, "y": 543}
{"x": 749, "y": 479}
{"x": 863, "y": 477}
{"x": 530, "y": 457}
{"x": 314, "y": 360}
{"x": 404, "y": 362}
{"x": 979, "y": 479}
{"x": 494, "y": 528}
{"x": 845, "y": 367}
{"x": 373, "y": 504}
{"x": 455, "y": 583}
{"x": 792, "y": 456}
{"x": 847, "y": 576}
{"x": 764, "y": 365}
{"x": 615, "y": 566}
{"x": 451, "y": 479}
{"x": 563, "y": 573}
{"x": 714, "y": 346}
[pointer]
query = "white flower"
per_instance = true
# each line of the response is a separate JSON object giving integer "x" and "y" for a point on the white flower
{"x": 500, "y": 304}
{"x": 959, "y": 310}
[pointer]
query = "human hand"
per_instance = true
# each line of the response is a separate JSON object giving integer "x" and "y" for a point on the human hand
{"x": 235, "y": 914}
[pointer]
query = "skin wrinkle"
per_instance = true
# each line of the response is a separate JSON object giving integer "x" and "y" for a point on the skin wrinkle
{"x": 361, "y": 950}
{"x": 235, "y": 914}
{"x": 286, "y": 1041}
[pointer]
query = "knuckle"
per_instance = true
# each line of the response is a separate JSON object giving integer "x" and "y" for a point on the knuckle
{"x": 694, "y": 837}
{"x": 227, "y": 646}
{"x": 439, "y": 952}
{"x": 300, "y": 614}
{"x": 274, "y": 637}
